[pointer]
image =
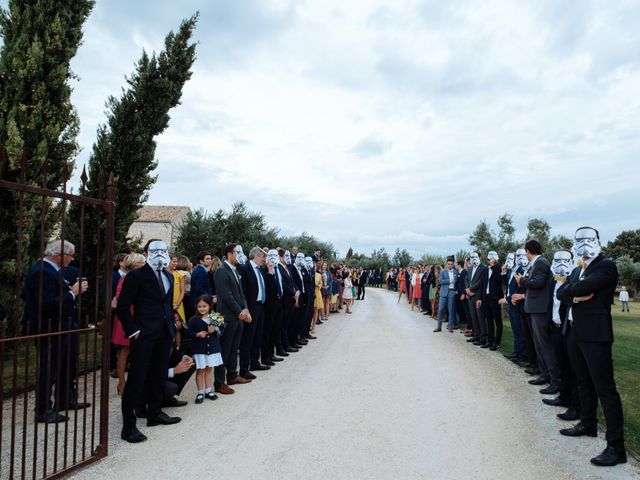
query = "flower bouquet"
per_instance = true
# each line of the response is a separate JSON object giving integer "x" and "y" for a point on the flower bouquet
{"x": 215, "y": 319}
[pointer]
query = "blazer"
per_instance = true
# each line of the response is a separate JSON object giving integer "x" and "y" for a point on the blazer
{"x": 200, "y": 284}
{"x": 298, "y": 282}
{"x": 152, "y": 310}
{"x": 592, "y": 319}
{"x": 202, "y": 346}
{"x": 477, "y": 284}
{"x": 52, "y": 283}
{"x": 461, "y": 282}
{"x": 231, "y": 300}
{"x": 495, "y": 283}
{"x": 250, "y": 285}
{"x": 288, "y": 290}
{"x": 510, "y": 284}
{"x": 272, "y": 302}
{"x": 444, "y": 280}
{"x": 536, "y": 283}
{"x": 309, "y": 285}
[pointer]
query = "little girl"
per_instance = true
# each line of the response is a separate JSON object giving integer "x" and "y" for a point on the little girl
{"x": 205, "y": 348}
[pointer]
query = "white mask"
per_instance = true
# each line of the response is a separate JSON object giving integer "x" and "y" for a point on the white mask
{"x": 475, "y": 259}
{"x": 308, "y": 263}
{"x": 240, "y": 255}
{"x": 158, "y": 255}
{"x": 586, "y": 243}
{"x": 300, "y": 260}
{"x": 287, "y": 257}
{"x": 562, "y": 263}
{"x": 510, "y": 261}
{"x": 493, "y": 256}
{"x": 521, "y": 258}
{"x": 272, "y": 256}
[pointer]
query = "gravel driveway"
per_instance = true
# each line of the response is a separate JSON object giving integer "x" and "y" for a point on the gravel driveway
{"x": 376, "y": 396}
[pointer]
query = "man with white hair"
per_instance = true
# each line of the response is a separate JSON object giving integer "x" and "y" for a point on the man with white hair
{"x": 50, "y": 306}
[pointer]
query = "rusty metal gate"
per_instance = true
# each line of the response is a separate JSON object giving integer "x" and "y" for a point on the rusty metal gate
{"x": 60, "y": 353}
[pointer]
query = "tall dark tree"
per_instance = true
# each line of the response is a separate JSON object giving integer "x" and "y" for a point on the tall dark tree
{"x": 627, "y": 243}
{"x": 126, "y": 144}
{"x": 38, "y": 123}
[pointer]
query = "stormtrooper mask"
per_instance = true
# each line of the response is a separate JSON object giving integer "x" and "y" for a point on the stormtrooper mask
{"x": 586, "y": 243}
{"x": 308, "y": 263}
{"x": 158, "y": 255}
{"x": 510, "y": 261}
{"x": 521, "y": 258}
{"x": 475, "y": 259}
{"x": 272, "y": 256}
{"x": 300, "y": 260}
{"x": 287, "y": 257}
{"x": 493, "y": 256}
{"x": 562, "y": 263}
{"x": 242, "y": 259}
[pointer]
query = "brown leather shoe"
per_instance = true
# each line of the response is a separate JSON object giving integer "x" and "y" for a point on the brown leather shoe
{"x": 450, "y": 330}
{"x": 437, "y": 329}
{"x": 239, "y": 380}
{"x": 224, "y": 389}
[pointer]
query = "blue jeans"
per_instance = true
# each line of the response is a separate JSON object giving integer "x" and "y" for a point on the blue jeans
{"x": 448, "y": 301}
{"x": 516, "y": 328}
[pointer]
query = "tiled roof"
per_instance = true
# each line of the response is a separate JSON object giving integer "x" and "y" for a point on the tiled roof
{"x": 161, "y": 213}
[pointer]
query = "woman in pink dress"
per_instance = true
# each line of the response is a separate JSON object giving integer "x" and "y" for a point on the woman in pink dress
{"x": 119, "y": 338}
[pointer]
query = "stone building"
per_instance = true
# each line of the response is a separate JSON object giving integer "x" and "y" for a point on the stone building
{"x": 158, "y": 221}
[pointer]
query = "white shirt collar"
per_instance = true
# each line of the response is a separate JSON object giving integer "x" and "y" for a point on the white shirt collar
{"x": 55, "y": 265}
{"x": 233, "y": 267}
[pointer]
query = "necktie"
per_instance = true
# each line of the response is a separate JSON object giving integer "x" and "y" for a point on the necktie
{"x": 278, "y": 287}
{"x": 261, "y": 282}
{"x": 161, "y": 283}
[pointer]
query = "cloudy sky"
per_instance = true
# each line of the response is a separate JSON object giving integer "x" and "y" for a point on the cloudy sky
{"x": 390, "y": 123}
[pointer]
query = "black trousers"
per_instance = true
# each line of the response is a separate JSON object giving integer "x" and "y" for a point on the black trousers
{"x": 149, "y": 363}
{"x": 361, "y": 291}
{"x": 306, "y": 327}
{"x": 462, "y": 309}
{"x": 593, "y": 364}
{"x": 493, "y": 316}
{"x": 529, "y": 346}
{"x": 287, "y": 320}
{"x": 477, "y": 320}
{"x": 271, "y": 335}
{"x": 568, "y": 380}
{"x": 297, "y": 320}
{"x": 229, "y": 343}
{"x": 57, "y": 364}
{"x": 252, "y": 338}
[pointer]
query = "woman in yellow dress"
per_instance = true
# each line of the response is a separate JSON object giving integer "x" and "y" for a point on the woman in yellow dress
{"x": 318, "y": 305}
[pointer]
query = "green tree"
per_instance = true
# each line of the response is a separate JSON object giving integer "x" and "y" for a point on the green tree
{"x": 482, "y": 238}
{"x": 627, "y": 243}
{"x": 200, "y": 231}
{"x": 629, "y": 274}
{"x": 307, "y": 244}
{"x": 126, "y": 144}
{"x": 401, "y": 258}
{"x": 540, "y": 230}
{"x": 349, "y": 254}
{"x": 38, "y": 123}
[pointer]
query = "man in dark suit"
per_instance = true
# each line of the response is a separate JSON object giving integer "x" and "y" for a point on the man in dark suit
{"x": 300, "y": 308}
{"x": 271, "y": 334}
{"x": 590, "y": 289}
{"x": 233, "y": 306}
{"x": 491, "y": 303}
{"x": 50, "y": 306}
{"x": 288, "y": 301}
{"x": 308, "y": 273}
{"x": 364, "y": 277}
{"x": 462, "y": 306}
{"x": 255, "y": 291}
{"x": 476, "y": 277}
{"x": 510, "y": 286}
{"x": 537, "y": 284}
{"x": 151, "y": 328}
{"x": 200, "y": 283}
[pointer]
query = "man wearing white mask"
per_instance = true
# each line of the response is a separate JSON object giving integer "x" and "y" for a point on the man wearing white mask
{"x": 589, "y": 340}
{"x": 476, "y": 285}
{"x": 509, "y": 271}
{"x": 491, "y": 303}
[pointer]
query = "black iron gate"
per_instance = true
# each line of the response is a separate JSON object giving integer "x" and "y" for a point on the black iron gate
{"x": 30, "y": 447}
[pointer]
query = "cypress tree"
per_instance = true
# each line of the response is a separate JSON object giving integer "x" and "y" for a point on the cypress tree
{"x": 38, "y": 123}
{"x": 126, "y": 145}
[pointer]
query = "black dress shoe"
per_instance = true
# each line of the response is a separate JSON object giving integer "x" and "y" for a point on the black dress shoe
{"x": 140, "y": 412}
{"x": 610, "y": 457}
{"x": 248, "y": 375}
{"x": 282, "y": 353}
{"x": 51, "y": 416}
{"x": 570, "y": 415}
{"x": 485, "y": 345}
{"x": 579, "y": 430}
{"x": 173, "y": 402}
{"x": 510, "y": 356}
{"x": 550, "y": 390}
{"x": 132, "y": 435}
{"x": 477, "y": 343}
{"x": 258, "y": 368}
{"x": 277, "y": 359}
{"x": 289, "y": 350}
{"x": 472, "y": 340}
{"x": 303, "y": 341}
{"x": 494, "y": 347}
{"x": 75, "y": 405}
{"x": 162, "y": 419}
{"x": 211, "y": 396}
{"x": 269, "y": 362}
{"x": 555, "y": 402}
{"x": 532, "y": 371}
{"x": 539, "y": 381}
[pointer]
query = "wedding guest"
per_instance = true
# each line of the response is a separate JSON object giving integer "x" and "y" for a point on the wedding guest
{"x": 474, "y": 290}
{"x": 348, "y": 291}
{"x": 200, "y": 276}
{"x": 184, "y": 268}
{"x": 318, "y": 307}
{"x": 179, "y": 288}
{"x": 416, "y": 288}
{"x": 289, "y": 299}
{"x": 401, "y": 283}
{"x": 435, "y": 303}
{"x": 491, "y": 303}
{"x": 624, "y": 299}
{"x": 326, "y": 290}
{"x": 509, "y": 271}
{"x": 253, "y": 285}
{"x": 335, "y": 290}
{"x": 448, "y": 278}
{"x": 462, "y": 306}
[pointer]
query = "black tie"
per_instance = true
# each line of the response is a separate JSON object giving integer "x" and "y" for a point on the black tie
{"x": 161, "y": 283}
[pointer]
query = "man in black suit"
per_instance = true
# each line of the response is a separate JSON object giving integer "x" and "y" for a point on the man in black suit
{"x": 151, "y": 328}
{"x": 537, "y": 284}
{"x": 300, "y": 307}
{"x": 271, "y": 335}
{"x": 255, "y": 290}
{"x": 590, "y": 289}
{"x": 233, "y": 306}
{"x": 462, "y": 306}
{"x": 289, "y": 299}
{"x": 50, "y": 306}
{"x": 491, "y": 303}
{"x": 477, "y": 274}
{"x": 364, "y": 277}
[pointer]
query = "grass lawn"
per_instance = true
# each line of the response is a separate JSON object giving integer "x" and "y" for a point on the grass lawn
{"x": 626, "y": 363}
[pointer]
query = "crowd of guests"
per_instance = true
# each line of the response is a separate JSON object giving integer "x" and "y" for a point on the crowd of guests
{"x": 560, "y": 316}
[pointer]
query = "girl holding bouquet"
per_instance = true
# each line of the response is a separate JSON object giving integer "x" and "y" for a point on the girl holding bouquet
{"x": 204, "y": 329}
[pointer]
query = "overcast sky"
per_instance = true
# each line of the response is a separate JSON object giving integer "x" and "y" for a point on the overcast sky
{"x": 389, "y": 123}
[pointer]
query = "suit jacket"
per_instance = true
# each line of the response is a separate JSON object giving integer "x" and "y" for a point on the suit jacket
{"x": 288, "y": 289}
{"x": 510, "y": 284}
{"x": 52, "y": 282}
{"x": 592, "y": 319}
{"x": 298, "y": 282}
{"x": 495, "y": 283}
{"x": 200, "y": 284}
{"x": 272, "y": 301}
{"x": 444, "y": 280}
{"x": 250, "y": 285}
{"x": 231, "y": 300}
{"x": 152, "y": 310}
{"x": 536, "y": 284}
{"x": 461, "y": 282}
{"x": 478, "y": 282}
